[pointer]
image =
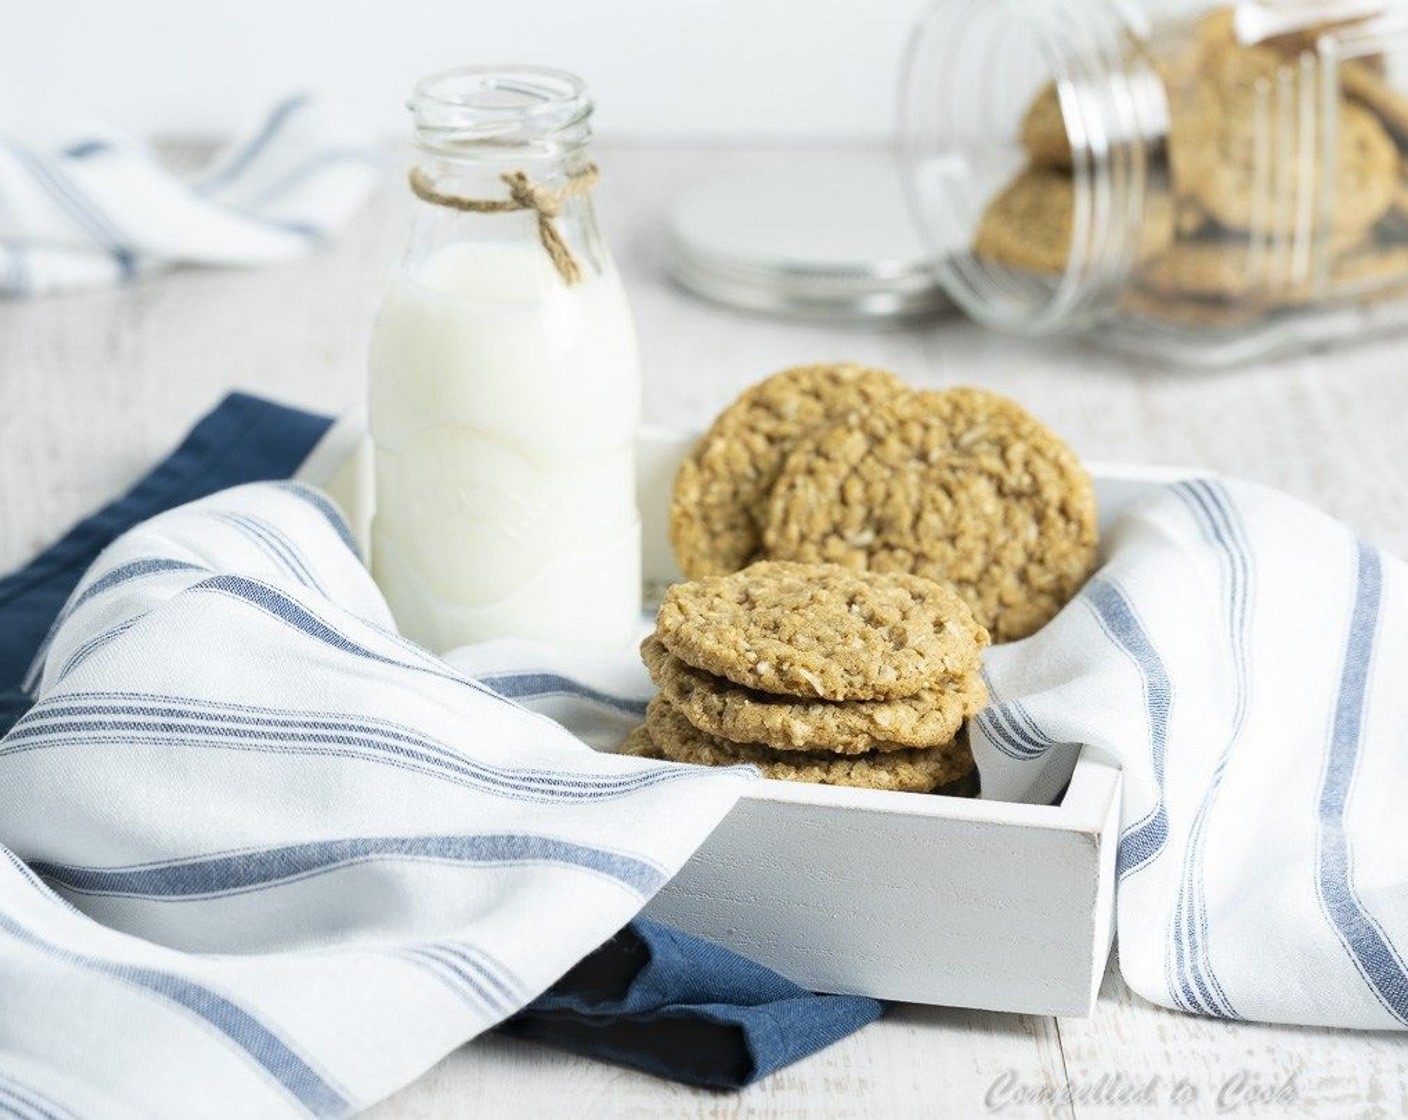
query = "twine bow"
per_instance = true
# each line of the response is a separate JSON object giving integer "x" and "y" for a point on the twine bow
{"x": 523, "y": 194}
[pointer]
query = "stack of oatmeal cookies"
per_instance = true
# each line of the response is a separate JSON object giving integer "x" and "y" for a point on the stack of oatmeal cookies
{"x": 852, "y": 545}
{"x": 816, "y": 673}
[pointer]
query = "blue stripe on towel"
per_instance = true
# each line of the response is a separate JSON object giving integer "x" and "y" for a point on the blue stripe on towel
{"x": 1006, "y": 737}
{"x": 1375, "y": 957}
{"x": 25, "y": 1096}
{"x": 449, "y": 973}
{"x": 494, "y": 971}
{"x": 987, "y": 723}
{"x": 242, "y": 160}
{"x": 127, "y": 718}
{"x": 20, "y": 1105}
{"x": 274, "y": 544}
{"x": 95, "y": 643}
{"x": 1009, "y": 726}
{"x": 291, "y": 179}
{"x": 288, "y": 610}
{"x": 256, "y": 869}
{"x": 86, "y": 149}
{"x": 27, "y": 876}
{"x": 275, "y": 603}
{"x": 262, "y": 1045}
{"x": 133, "y": 569}
{"x": 509, "y": 992}
{"x": 86, "y": 214}
{"x": 17, "y": 279}
{"x": 294, "y": 614}
{"x": 319, "y": 501}
{"x": 1192, "y": 981}
{"x": 534, "y": 685}
{"x": 469, "y": 974}
{"x": 1143, "y": 840}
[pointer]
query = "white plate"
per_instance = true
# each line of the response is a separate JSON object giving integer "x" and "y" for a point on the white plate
{"x": 924, "y": 899}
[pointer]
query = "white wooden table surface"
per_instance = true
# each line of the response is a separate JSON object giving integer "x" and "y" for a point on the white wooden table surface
{"x": 93, "y": 388}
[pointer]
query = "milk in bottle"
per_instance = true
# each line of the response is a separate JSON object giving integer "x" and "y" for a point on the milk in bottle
{"x": 505, "y": 385}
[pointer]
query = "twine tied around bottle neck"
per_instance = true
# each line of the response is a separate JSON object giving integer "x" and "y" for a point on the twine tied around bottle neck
{"x": 523, "y": 194}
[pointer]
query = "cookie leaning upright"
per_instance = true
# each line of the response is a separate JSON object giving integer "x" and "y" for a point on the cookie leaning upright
{"x": 821, "y": 631}
{"x": 962, "y": 486}
{"x": 721, "y": 490}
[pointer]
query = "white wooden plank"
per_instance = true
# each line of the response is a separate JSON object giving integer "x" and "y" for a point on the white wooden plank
{"x": 1232, "y": 1069}
{"x": 916, "y": 1062}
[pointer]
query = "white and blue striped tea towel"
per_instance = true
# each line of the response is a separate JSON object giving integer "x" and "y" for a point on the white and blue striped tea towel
{"x": 247, "y": 824}
{"x": 95, "y": 208}
{"x": 1243, "y": 657}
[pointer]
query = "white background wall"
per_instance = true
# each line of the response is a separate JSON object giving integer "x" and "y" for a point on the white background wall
{"x": 702, "y": 69}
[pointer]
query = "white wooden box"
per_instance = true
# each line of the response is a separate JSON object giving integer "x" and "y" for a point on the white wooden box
{"x": 923, "y": 899}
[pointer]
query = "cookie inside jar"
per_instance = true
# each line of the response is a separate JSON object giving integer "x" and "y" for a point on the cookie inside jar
{"x": 1196, "y": 178}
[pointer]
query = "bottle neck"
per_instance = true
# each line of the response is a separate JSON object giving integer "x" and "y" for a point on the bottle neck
{"x": 961, "y": 141}
{"x": 504, "y": 159}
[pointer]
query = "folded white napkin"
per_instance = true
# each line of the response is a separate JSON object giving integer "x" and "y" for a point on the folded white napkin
{"x": 1241, "y": 656}
{"x": 95, "y": 208}
{"x": 284, "y": 843}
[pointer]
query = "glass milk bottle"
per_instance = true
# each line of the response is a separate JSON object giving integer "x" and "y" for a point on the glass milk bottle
{"x": 505, "y": 384}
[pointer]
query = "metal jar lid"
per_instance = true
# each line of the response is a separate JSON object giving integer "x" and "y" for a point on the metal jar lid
{"x": 812, "y": 235}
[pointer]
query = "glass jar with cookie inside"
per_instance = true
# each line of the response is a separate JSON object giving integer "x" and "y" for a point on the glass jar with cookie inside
{"x": 1202, "y": 184}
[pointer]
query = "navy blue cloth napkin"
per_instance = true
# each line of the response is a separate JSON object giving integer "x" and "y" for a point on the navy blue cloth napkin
{"x": 651, "y": 998}
{"x": 684, "y": 1008}
{"x": 244, "y": 439}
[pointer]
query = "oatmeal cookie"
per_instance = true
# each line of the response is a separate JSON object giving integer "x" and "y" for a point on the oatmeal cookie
{"x": 1361, "y": 82}
{"x": 1207, "y": 270}
{"x": 929, "y": 718}
{"x": 721, "y": 490}
{"x": 1231, "y": 269}
{"x": 1029, "y": 224}
{"x": 1373, "y": 274}
{"x": 638, "y": 744}
{"x": 821, "y": 631}
{"x": 1214, "y": 148}
{"x": 961, "y": 486}
{"x": 911, "y": 771}
{"x": 1043, "y": 130}
{"x": 1192, "y": 311}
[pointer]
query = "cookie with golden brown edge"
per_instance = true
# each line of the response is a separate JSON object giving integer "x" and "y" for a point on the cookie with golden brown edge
{"x": 929, "y": 718}
{"x": 1370, "y": 88}
{"x": 961, "y": 486}
{"x": 1029, "y": 224}
{"x": 821, "y": 631}
{"x": 638, "y": 744}
{"x": 1226, "y": 141}
{"x": 721, "y": 489}
{"x": 1192, "y": 312}
{"x": 1043, "y": 130}
{"x": 909, "y": 771}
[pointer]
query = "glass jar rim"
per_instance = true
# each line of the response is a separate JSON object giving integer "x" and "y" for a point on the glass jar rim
{"x": 497, "y": 104}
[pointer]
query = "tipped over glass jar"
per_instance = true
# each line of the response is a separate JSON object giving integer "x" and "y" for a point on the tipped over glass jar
{"x": 1204, "y": 187}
